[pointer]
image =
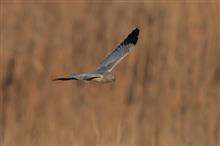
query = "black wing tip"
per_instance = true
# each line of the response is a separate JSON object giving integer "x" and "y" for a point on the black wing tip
{"x": 132, "y": 37}
{"x": 136, "y": 30}
{"x": 59, "y": 79}
{"x": 62, "y": 79}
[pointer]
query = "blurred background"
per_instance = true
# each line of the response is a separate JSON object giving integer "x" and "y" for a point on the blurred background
{"x": 167, "y": 90}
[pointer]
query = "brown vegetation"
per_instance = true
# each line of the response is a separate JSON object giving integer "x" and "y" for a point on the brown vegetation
{"x": 166, "y": 90}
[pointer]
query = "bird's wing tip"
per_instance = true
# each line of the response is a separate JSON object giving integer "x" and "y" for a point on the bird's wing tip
{"x": 55, "y": 79}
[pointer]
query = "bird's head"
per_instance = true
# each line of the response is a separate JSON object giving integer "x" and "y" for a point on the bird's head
{"x": 110, "y": 77}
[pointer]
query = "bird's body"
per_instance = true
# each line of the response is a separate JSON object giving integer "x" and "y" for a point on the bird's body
{"x": 106, "y": 77}
{"x": 103, "y": 72}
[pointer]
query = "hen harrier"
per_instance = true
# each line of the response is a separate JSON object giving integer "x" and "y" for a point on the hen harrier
{"x": 103, "y": 72}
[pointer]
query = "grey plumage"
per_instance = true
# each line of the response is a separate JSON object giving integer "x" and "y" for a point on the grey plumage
{"x": 103, "y": 71}
{"x": 120, "y": 52}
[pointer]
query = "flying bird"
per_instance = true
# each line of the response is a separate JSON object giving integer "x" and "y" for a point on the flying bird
{"x": 103, "y": 72}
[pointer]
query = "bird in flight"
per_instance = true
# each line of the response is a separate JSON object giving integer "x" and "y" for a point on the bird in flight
{"x": 103, "y": 72}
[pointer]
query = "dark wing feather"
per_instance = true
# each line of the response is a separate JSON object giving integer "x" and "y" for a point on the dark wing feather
{"x": 120, "y": 52}
{"x": 85, "y": 76}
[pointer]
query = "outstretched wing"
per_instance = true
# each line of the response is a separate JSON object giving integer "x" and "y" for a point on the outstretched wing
{"x": 85, "y": 76}
{"x": 120, "y": 52}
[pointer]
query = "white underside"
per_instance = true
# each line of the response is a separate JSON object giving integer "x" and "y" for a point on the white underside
{"x": 101, "y": 80}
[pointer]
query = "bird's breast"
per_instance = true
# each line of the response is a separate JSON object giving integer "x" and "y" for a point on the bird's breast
{"x": 101, "y": 80}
